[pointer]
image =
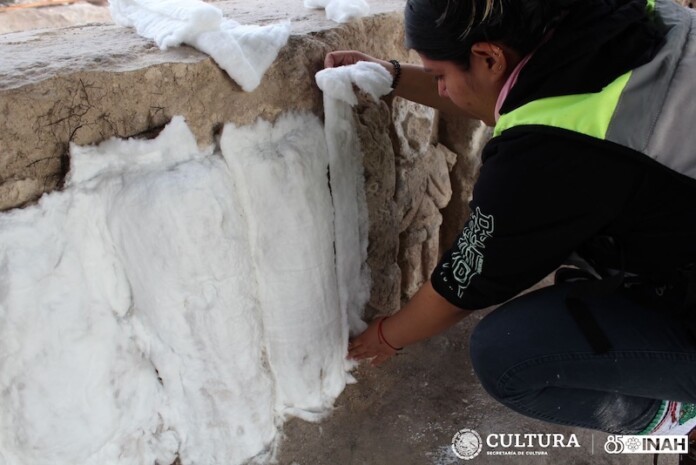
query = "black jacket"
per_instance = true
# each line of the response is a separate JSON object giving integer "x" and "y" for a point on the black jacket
{"x": 544, "y": 193}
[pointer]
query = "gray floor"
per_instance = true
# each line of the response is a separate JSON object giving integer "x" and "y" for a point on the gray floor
{"x": 406, "y": 412}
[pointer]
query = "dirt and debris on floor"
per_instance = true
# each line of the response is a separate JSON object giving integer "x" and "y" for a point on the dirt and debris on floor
{"x": 407, "y": 411}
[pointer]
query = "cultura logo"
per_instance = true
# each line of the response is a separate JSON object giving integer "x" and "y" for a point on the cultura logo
{"x": 531, "y": 440}
{"x": 467, "y": 443}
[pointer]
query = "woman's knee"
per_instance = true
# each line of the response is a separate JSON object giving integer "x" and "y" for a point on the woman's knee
{"x": 490, "y": 353}
{"x": 511, "y": 335}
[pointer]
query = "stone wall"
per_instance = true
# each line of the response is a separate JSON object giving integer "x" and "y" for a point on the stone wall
{"x": 85, "y": 84}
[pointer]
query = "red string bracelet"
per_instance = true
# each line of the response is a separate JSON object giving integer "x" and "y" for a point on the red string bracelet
{"x": 380, "y": 335}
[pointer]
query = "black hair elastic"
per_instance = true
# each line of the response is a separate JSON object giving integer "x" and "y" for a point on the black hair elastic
{"x": 397, "y": 73}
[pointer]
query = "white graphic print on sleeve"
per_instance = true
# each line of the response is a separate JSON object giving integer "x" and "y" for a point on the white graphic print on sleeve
{"x": 467, "y": 260}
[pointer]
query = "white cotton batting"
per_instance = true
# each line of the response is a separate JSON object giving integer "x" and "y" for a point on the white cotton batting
{"x": 126, "y": 278}
{"x": 347, "y": 179}
{"x": 168, "y": 22}
{"x": 172, "y": 302}
{"x": 77, "y": 387}
{"x": 341, "y": 11}
{"x": 337, "y": 83}
{"x": 181, "y": 236}
{"x": 281, "y": 174}
{"x": 74, "y": 388}
{"x": 244, "y": 52}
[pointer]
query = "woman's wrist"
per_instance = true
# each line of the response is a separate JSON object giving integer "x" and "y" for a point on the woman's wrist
{"x": 396, "y": 74}
{"x": 425, "y": 315}
{"x": 385, "y": 339}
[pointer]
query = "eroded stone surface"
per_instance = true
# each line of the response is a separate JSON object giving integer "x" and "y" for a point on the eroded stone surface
{"x": 423, "y": 188}
{"x": 373, "y": 126}
{"x": 465, "y": 137}
{"x": 419, "y": 243}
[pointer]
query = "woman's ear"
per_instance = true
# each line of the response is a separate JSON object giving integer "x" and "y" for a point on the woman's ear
{"x": 492, "y": 57}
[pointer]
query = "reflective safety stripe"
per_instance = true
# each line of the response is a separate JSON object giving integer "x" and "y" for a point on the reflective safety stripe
{"x": 588, "y": 114}
{"x": 650, "y": 7}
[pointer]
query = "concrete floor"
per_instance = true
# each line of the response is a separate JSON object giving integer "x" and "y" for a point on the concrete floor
{"x": 407, "y": 411}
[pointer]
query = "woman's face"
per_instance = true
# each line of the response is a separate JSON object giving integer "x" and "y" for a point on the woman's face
{"x": 474, "y": 90}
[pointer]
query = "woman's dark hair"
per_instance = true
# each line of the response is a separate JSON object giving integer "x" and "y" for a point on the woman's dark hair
{"x": 446, "y": 29}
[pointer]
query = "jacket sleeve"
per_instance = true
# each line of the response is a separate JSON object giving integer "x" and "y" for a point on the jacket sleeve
{"x": 538, "y": 198}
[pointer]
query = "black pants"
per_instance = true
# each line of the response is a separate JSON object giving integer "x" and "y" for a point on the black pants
{"x": 531, "y": 355}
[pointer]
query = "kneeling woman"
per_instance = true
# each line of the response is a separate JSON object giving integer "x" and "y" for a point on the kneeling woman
{"x": 592, "y": 157}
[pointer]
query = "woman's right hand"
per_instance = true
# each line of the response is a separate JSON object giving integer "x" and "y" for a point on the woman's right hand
{"x": 370, "y": 345}
{"x": 415, "y": 84}
{"x": 347, "y": 57}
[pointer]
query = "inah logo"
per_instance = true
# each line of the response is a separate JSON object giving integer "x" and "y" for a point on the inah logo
{"x": 466, "y": 444}
{"x": 646, "y": 444}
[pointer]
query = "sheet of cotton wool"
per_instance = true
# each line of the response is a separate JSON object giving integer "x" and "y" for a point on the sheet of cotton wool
{"x": 244, "y": 52}
{"x": 341, "y": 11}
{"x": 182, "y": 239}
{"x": 347, "y": 179}
{"x": 74, "y": 387}
{"x": 168, "y": 22}
{"x": 141, "y": 271}
{"x": 281, "y": 175}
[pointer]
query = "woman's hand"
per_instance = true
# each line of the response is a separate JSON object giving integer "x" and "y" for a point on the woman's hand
{"x": 368, "y": 345}
{"x": 415, "y": 83}
{"x": 426, "y": 314}
{"x": 348, "y": 57}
